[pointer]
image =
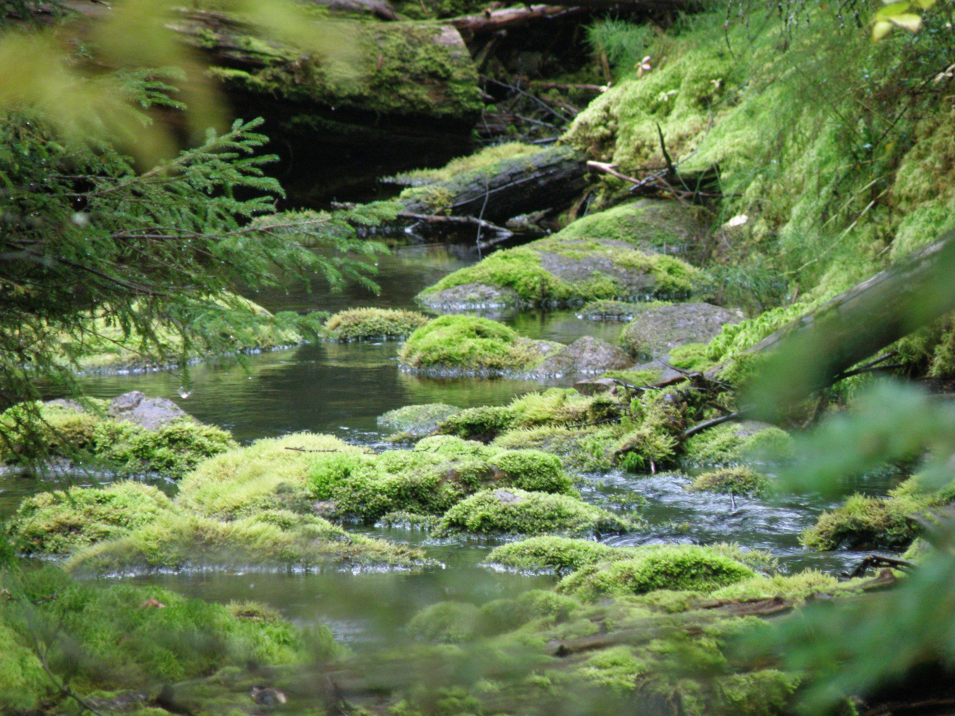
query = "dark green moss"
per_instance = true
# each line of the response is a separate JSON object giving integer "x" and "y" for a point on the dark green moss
{"x": 358, "y": 324}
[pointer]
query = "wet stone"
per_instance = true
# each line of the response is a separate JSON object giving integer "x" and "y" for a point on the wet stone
{"x": 151, "y": 413}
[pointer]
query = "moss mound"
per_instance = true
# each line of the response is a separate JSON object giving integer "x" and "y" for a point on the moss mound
{"x": 738, "y": 480}
{"x": 867, "y": 523}
{"x": 470, "y": 344}
{"x": 673, "y": 567}
{"x": 647, "y": 223}
{"x": 520, "y": 512}
{"x": 88, "y": 436}
{"x": 555, "y": 554}
{"x": 429, "y": 480}
{"x": 358, "y": 324}
{"x": 733, "y": 443}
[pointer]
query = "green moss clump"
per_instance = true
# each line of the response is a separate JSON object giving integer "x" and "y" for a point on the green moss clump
{"x": 738, "y": 480}
{"x": 730, "y": 444}
{"x": 59, "y": 523}
{"x": 587, "y": 449}
{"x": 673, "y": 567}
{"x": 503, "y": 615}
{"x": 358, "y": 324}
{"x": 416, "y": 421}
{"x": 644, "y": 222}
{"x": 70, "y": 431}
{"x": 867, "y": 523}
{"x": 519, "y": 512}
{"x": 484, "y": 423}
{"x": 468, "y": 344}
{"x": 487, "y": 157}
{"x": 534, "y": 471}
{"x": 24, "y": 685}
{"x": 555, "y": 554}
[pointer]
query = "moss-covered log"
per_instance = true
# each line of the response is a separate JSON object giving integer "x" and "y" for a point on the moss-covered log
{"x": 548, "y": 179}
{"x": 821, "y": 347}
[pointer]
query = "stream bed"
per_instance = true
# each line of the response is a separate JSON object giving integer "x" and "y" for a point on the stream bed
{"x": 341, "y": 389}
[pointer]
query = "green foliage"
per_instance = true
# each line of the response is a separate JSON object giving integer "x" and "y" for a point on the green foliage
{"x": 374, "y": 323}
{"x": 624, "y": 43}
{"x": 734, "y": 443}
{"x": 558, "y": 554}
{"x": 444, "y": 623}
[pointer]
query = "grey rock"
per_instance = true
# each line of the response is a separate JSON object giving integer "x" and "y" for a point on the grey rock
{"x": 585, "y": 356}
{"x": 657, "y": 331}
{"x": 151, "y": 413}
{"x": 506, "y": 497}
{"x": 471, "y": 296}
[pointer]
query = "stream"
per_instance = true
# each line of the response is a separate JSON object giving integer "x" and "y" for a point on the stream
{"x": 340, "y": 389}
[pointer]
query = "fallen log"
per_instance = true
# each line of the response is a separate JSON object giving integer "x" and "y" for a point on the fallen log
{"x": 820, "y": 348}
{"x": 554, "y": 176}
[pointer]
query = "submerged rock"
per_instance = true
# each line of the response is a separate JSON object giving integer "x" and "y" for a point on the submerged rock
{"x": 738, "y": 480}
{"x": 657, "y": 331}
{"x": 416, "y": 421}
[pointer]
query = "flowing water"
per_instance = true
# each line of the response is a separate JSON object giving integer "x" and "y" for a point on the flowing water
{"x": 341, "y": 388}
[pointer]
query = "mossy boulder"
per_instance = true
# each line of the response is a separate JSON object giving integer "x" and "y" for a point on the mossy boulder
{"x": 416, "y": 421}
{"x": 610, "y": 310}
{"x": 657, "y": 331}
{"x": 864, "y": 522}
{"x": 132, "y": 434}
{"x": 651, "y": 224}
{"x": 734, "y": 443}
{"x": 739, "y": 480}
{"x": 445, "y": 623}
{"x": 672, "y": 567}
{"x": 470, "y": 345}
{"x": 572, "y": 267}
{"x": 365, "y": 324}
{"x": 514, "y": 511}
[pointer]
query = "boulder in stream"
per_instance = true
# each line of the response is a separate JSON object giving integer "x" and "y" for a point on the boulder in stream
{"x": 585, "y": 356}
{"x": 569, "y": 268}
{"x": 657, "y": 331}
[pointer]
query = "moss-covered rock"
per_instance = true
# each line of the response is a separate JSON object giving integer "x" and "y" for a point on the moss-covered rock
{"x": 562, "y": 270}
{"x": 867, "y": 523}
{"x": 657, "y": 331}
{"x": 609, "y": 310}
{"x": 519, "y": 512}
{"x": 585, "y": 356}
{"x": 739, "y": 480}
{"x": 674, "y": 567}
{"x": 445, "y": 623}
{"x": 416, "y": 421}
{"x": 99, "y": 435}
{"x": 733, "y": 443}
{"x": 470, "y": 345}
{"x": 364, "y": 324}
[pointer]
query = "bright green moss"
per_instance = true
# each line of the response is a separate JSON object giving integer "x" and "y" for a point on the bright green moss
{"x": 644, "y": 222}
{"x": 503, "y": 615}
{"x": 484, "y": 423}
{"x": 672, "y": 567}
{"x": 59, "y": 523}
{"x": 467, "y": 343}
{"x": 519, "y": 512}
{"x": 796, "y": 587}
{"x": 485, "y": 158}
{"x": 374, "y": 324}
{"x": 586, "y": 449}
{"x": 533, "y": 470}
{"x": 24, "y": 685}
{"x": 738, "y": 480}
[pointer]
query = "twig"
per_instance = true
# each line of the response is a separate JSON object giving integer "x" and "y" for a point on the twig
{"x": 877, "y": 560}
{"x": 706, "y": 424}
{"x": 432, "y": 219}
